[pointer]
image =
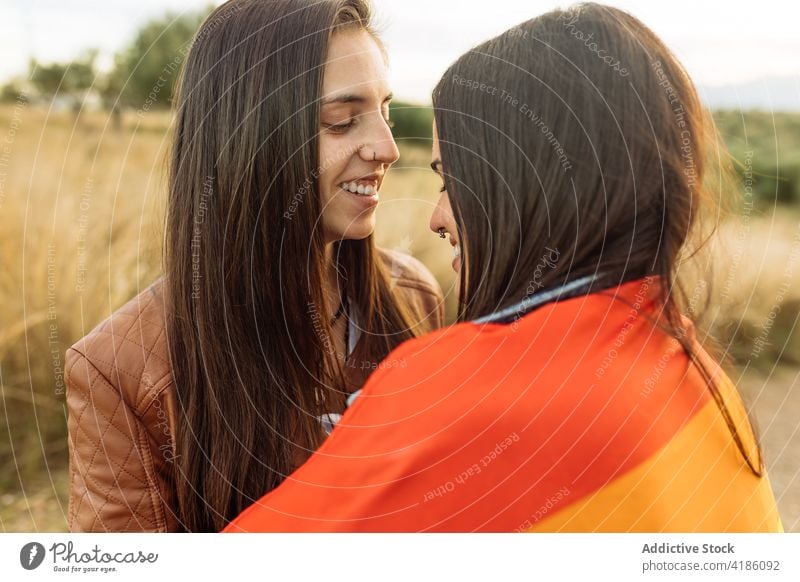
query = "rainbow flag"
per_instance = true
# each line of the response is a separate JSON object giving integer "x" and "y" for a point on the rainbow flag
{"x": 582, "y": 416}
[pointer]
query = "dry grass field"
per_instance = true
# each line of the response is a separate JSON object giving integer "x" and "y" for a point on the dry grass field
{"x": 81, "y": 204}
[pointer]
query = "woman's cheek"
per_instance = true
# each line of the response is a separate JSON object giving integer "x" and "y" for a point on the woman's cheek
{"x": 327, "y": 168}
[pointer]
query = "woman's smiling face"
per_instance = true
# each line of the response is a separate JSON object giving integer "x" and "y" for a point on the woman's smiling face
{"x": 355, "y": 143}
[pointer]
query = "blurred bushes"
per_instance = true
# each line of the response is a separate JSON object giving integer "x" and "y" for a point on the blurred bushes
{"x": 766, "y": 147}
{"x": 412, "y": 123}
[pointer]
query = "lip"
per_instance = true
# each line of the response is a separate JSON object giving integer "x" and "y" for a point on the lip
{"x": 366, "y": 201}
{"x": 375, "y": 179}
{"x": 452, "y": 239}
{"x": 456, "y": 262}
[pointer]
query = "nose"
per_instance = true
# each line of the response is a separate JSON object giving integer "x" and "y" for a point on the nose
{"x": 442, "y": 215}
{"x": 381, "y": 146}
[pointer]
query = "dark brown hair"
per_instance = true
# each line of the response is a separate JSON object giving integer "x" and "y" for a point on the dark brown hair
{"x": 579, "y": 133}
{"x": 245, "y": 257}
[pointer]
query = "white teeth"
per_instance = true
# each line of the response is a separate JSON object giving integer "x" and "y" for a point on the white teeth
{"x": 360, "y": 189}
{"x": 456, "y": 251}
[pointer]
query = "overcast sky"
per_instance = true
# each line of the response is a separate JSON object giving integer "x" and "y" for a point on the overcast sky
{"x": 720, "y": 43}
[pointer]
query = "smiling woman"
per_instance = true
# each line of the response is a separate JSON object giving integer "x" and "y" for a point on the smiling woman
{"x": 218, "y": 381}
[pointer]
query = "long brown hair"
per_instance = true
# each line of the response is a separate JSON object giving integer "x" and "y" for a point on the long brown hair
{"x": 245, "y": 265}
{"x": 577, "y": 132}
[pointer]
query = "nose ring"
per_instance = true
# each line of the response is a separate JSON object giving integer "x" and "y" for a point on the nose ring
{"x": 441, "y": 233}
{"x": 374, "y": 152}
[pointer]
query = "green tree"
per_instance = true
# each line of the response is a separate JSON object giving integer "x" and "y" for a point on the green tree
{"x": 70, "y": 79}
{"x": 48, "y": 79}
{"x": 13, "y": 91}
{"x": 145, "y": 72}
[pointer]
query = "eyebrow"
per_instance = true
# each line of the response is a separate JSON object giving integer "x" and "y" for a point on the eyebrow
{"x": 351, "y": 98}
{"x": 436, "y": 166}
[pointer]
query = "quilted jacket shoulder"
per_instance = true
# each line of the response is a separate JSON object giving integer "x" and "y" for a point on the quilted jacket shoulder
{"x": 121, "y": 420}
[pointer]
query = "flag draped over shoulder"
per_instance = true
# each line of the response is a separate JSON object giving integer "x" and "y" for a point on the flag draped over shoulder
{"x": 581, "y": 416}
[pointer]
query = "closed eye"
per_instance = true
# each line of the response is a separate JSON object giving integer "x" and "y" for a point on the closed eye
{"x": 338, "y": 127}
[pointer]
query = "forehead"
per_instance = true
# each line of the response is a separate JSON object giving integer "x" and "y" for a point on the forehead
{"x": 355, "y": 63}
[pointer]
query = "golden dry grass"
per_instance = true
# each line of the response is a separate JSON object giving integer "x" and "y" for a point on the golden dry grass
{"x": 81, "y": 205}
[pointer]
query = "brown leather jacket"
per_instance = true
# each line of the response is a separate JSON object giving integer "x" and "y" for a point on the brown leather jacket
{"x": 122, "y": 409}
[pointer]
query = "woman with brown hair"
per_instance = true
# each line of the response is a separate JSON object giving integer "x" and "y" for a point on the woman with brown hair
{"x": 574, "y": 394}
{"x": 216, "y": 382}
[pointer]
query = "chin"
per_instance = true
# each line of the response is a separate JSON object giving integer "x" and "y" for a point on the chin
{"x": 358, "y": 232}
{"x": 361, "y": 235}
